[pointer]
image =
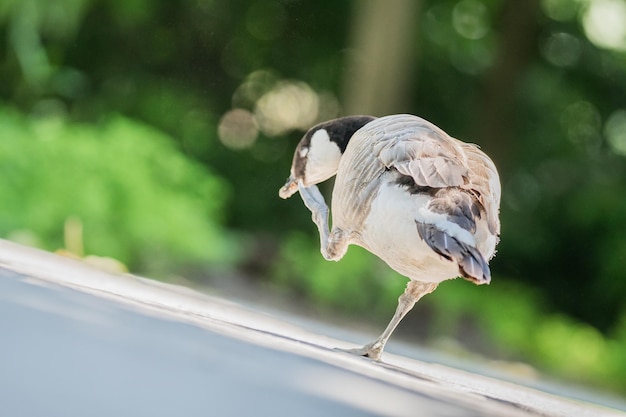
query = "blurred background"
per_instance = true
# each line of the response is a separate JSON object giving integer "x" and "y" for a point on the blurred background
{"x": 153, "y": 135}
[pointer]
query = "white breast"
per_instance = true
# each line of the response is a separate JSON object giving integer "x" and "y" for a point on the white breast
{"x": 390, "y": 233}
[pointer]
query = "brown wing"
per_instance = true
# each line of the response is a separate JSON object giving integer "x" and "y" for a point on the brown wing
{"x": 419, "y": 149}
{"x": 484, "y": 184}
{"x": 406, "y": 143}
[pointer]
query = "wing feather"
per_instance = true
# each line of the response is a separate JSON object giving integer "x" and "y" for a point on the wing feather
{"x": 472, "y": 264}
{"x": 421, "y": 150}
{"x": 417, "y": 149}
{"x": 485, "y": 184}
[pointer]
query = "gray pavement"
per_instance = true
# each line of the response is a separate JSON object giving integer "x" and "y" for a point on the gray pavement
{"x": 75, "y": 341}
{"x": 67, "y": 353}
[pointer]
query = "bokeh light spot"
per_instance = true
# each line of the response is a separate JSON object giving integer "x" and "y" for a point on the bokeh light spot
{"x": 524, "y": 192}
{"x": 288, "y": 106}
{"x": 615, "y": 131}
{"x": 255, "y": 85}
{"x": 436, "y": 24}
{"x": 238, "y": 129}
{"x": 604, "y": 22}
{"x": 560, "y": 10}
{"x": 472, "y": 58}
{"x": 581, "y": 122}
{"x": 470, "y": 19}
{"x": 562, "y": 49}
{"x": 329, "y": 107}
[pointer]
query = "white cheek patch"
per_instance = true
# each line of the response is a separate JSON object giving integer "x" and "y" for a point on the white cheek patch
{"x": 323, "y": 157}
{"x": 303, "y": 152}
{"x": 322, "y": 150}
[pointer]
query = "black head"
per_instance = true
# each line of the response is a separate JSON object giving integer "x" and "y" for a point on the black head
{"x": 317, "y": 155}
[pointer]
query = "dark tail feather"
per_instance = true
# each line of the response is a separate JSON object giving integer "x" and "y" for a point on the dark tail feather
{"x": 472, "y": 264}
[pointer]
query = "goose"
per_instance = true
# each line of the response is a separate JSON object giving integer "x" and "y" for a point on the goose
{"x": 425, "y": 203}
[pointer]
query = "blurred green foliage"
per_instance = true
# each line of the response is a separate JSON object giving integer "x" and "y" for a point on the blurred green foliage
{"x": 139, "y": 199}
{"x": 167, "y": 128}
{"x": 521, "y": 326}
{"x": 358, "y": 283}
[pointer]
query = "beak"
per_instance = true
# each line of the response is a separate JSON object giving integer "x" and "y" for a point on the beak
{"x": 289, "y": 189}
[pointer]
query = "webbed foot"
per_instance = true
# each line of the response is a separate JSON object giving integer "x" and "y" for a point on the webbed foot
{"x": 372, "y": 350}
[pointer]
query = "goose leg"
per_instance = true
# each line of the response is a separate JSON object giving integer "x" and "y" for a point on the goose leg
{"x": 333, "y": 244}
{"x": 413, "y": 292}
{"x": 314, "y": 200}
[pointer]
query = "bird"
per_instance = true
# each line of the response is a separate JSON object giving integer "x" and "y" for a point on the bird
{"x": 425, "y": 203}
